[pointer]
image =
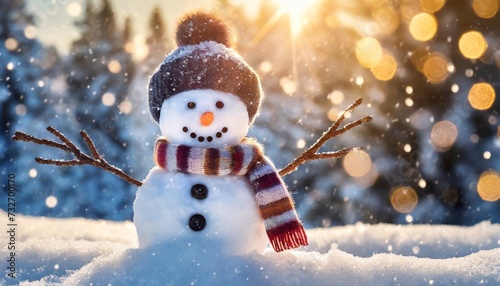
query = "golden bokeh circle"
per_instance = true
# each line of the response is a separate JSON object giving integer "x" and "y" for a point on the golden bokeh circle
{"x": 423, "y": 26}
{"x": 432, "y": 6}
{"x": 485, "y": 8}
{"x": 435, "y": 68}
{"x": 387, "y": 18}
{"x": 368, "y": 52}
{"x": 488, "y": 186}
{"x": 404, "y": 199}
{"x": 472, "y": 45}
{"x": 357, "y": 163}
{"x": 481, "y": 96}
{"x": 443, "y": 134}
{"x": 386, "y": 68}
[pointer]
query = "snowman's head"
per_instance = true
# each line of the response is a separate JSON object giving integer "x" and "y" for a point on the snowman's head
{"x": 204, "y": 93}
{"x": 204, "y": 118}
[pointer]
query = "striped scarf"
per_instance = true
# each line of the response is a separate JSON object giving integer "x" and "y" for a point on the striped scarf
{"x": 282, "y": 224}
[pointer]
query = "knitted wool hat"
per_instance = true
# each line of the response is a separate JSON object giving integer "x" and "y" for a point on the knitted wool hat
{"x": 204, "y": 60}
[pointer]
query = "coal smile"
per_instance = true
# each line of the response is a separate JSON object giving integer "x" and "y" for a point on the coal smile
{"x": 202, "y": 138}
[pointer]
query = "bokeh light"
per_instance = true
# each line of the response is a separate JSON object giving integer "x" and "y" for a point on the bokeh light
{"x": 125, "y": 107}
{"x": 30, "y": 32}
{"x": 288, "y": 85}
{"x": 265, "y": 67}
{"x": 301, "y": 143}
{"x": 33, "y": 173}
{"x": 485, "y": 8}
{"x": 431, "y": 6}
{"x": 114, "y": 66}
{"x": 74, "y": 9}
{"x": 369, "y": 178}
{"x": 386, "y": 68}
{"x": 336, "y": 97}
{"x": 488, "y": 186}
{"x": 333, "y": 114}
{"x": 472, "y": 45}
{"x": 357, "y": 163}
{"x": 404, "y": 199}
{"x": 21, "y": 109}
{"x": 423, "y": 27}
{"x": 481, "y": 96}
{"x": 51, "y": 202}
{"x": 387, "y": 19}
{"x": 11, "y": 44}
{"x": 108, "y": 99}
{"x": 436, "y": 68}
{"x": 444, "y": 134}
{"x": 409, "y": 9}
{"x": 487, "y": 155}
{"x": 368, "y": 52}
{"x": 359, "y": 80}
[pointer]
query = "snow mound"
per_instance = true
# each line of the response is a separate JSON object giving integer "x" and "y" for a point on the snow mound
{"x": 80, "y": 252}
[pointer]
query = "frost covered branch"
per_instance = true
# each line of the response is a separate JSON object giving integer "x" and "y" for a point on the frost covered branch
{"x": 80, "y": 157}
{"x": 311, "y": 153}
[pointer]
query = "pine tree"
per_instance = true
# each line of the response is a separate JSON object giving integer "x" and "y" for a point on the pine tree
{"x": 28, "y": 103}
{"x": 99, "y": 69}
{"x": 158, "y": 41}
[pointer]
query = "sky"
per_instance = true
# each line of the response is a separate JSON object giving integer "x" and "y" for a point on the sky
{"x": 54, "y": 19}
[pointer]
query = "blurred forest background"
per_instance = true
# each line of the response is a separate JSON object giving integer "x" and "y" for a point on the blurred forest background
{"x": 428, "y": 71}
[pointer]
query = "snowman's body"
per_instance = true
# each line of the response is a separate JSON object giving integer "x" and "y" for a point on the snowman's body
{"x": 199, "y": 209}
{"x": 166, "y": 209}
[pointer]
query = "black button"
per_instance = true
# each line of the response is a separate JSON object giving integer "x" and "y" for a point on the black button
{"x": 199, "y": 191}
{"x": 197, "y": 222}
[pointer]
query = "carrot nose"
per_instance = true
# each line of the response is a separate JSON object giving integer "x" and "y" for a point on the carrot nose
{"x": 206, "y": 118}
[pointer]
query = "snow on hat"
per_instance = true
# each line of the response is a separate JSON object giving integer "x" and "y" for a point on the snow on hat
{"x": 204, "y": 59}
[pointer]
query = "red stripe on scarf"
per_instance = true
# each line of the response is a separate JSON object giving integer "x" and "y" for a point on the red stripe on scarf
{"x": 182, "y": 157}
{"x": 161, "y": 155}
{"x": 266, "y": 182}
{"x": 237, "y": 156}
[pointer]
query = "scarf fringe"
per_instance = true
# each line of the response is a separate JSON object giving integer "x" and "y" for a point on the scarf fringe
{"x": 289, "y": 240}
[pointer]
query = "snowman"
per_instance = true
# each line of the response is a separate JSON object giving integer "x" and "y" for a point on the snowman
{"x": 211, "y": 184}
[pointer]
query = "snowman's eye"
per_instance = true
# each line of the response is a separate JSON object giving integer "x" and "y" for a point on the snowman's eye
{"x": 219, "y": 104}
{"x": 191, "y": 105}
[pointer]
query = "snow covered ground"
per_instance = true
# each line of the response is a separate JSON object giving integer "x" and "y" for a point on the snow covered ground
{"x": 79, "y": 252}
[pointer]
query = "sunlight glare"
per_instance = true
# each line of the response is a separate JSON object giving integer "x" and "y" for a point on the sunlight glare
{"x": 295, "y": 10}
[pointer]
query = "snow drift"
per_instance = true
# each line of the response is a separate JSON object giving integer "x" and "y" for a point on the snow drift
{"x": 79, "y": 252}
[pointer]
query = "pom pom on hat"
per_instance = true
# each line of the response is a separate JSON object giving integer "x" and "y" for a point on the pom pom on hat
{"x": 199, "y": 27}
{"x": 204, "y": 60}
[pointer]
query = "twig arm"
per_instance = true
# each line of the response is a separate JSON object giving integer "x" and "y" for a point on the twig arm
{"x": 312, "y": 154}
{"x": 80, "y": 157}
